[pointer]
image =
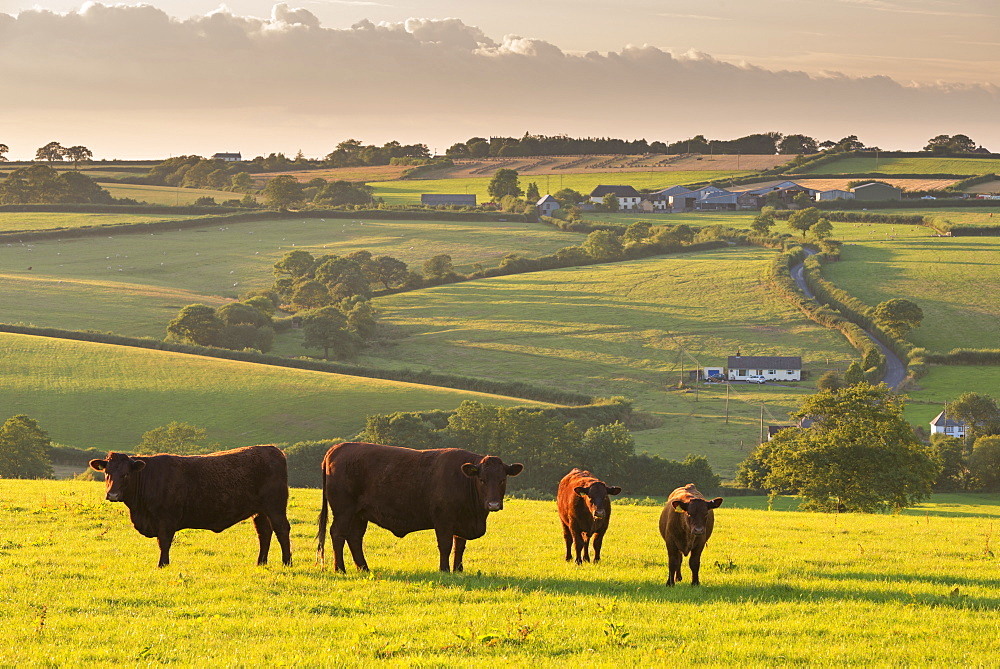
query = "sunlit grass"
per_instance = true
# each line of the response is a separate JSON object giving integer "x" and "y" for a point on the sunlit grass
{"x": 895, "y": 165}
{"x": 779, "y": 588}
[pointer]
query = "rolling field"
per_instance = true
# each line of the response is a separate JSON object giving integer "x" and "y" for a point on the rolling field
{"x": 168, "y": 195}
{"x": 895, "y": 165}
{"x": 85, "y": 394}
{"x": 938, "y": 273}
{"x": 408, "y": 191}
{"x": 701, "y": 219}
{"x": 619, "y": 330}
{"x": 779, "y": 589}
{"x": 11, "y": 221}
{"x": 134, "y": 284}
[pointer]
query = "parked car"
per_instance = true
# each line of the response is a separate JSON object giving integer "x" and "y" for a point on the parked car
{"x": 756, "y": 378}
{"x": 715, "y": 378}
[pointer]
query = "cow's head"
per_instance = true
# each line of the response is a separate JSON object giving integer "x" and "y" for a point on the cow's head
{"x": 490, "y": 475}
{"x": 696, "y": 511}
{"x": 117, "y": 468}
{"x": 596, "y": 496}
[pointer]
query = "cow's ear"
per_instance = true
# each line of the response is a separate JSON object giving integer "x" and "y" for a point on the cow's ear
{"x": 580, "y": 490}
{"x": 614, "y": 490}
{"x": 137, "y": 465}
{"x": 515, "y": 469}
{"x": 99, "y": 465}
{"x": 679, "y": 506}
{"x": 470, "y": 470}
{"x": 715, "y": 503}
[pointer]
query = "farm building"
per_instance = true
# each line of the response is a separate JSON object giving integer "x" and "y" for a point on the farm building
{"x": 875, "y": 192}
{"x": 628, "y": 197}
{"x": 786, "y": 191}
{"x": 442, "y": 200}
{"x": 547, "y": 205}
{"x": 227, "y": 157}
{"x": 835, "y": 194}
{"x": 771, "y": 367}
{"x": 674, "y": 198}
{"x": 947, "y": 426}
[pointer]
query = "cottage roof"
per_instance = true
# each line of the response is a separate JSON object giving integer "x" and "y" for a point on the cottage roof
{"x": 941, "y": 420}
{"x": 765, "y": 361}
{"x": 618, "y": 191}
{"x": 227, "y": 156}
{"x": 544, "y": 200}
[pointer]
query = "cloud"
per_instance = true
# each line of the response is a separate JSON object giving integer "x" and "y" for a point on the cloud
{"x": 434, "y": 80}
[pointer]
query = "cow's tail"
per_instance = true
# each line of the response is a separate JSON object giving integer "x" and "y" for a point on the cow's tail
{"x": 321, "y": 535}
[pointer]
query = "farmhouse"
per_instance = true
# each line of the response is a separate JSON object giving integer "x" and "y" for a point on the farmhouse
{"x": 628, "y": 197}
{"x": 947, "y": 426}
{"x": 771, "y": 367}
{"x": 441, "y": 199}
{"x": 875, "y": 192}
{"x": 227, "y": 157}
{"x": 547, "y": 205}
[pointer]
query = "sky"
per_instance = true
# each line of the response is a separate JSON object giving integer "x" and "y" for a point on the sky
{"x": 173, "y": 77}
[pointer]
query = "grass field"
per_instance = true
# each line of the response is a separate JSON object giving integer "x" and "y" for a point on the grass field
{"x": 779, "y": 589}
{"x": 86, "y": 394}
{"x": 945, "y": 384}
{"x": 892, "y": 165}
{"x": 938, "y": 273}
{"x": 620, "y": 330}
{"x": 135, "y": 283}
{"x": 700, "y": 219}
{"x": 168, "y": 195}
{"x": 408, "y": 191}
{"x": 11, "y": 221}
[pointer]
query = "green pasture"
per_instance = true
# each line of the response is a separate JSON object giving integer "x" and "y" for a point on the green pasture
{"x": 633, "y": 329}
{"x": 96, "y": 170}
{"x": 85, "y": 394}
{"x": 695, "y": 219}
{"x": 954, "y": 280}
{"x": 944, "y": 383}
{"x": 896, "y": 165}
{"x": 169, "y": 195}
{"x": 135, "y": 283}
{"x": 407, "y": 191}
{"x": 779, "y": 588}
{"x": 12, "y": 221}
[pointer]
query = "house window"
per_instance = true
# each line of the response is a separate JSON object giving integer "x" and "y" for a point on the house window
{"x": 949, "y": 429}
{"x": 741, "y": 372}
{"x": 789, "y": 371}
{"x": 770, "y": 371}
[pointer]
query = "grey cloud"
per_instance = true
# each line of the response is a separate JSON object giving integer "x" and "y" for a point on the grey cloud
{"x": 436, "y": 74}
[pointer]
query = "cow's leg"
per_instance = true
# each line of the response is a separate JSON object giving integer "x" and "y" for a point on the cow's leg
{"x": 568, "y": 538}
{"x": 578, "y": 546}
{"x": 340, "y": 529}
{"x": 459, "y": 552}
{"x": 282, "y": 530}
{"x": 355, "y": 541}
{"x": 694, "y": 562}
{"x": 598, "y": 540}
{"x": 164, "y": 539}
{"x": 263, "y": 527}
{"x": 586, "y": 547}
{"x": 445, "y": 539}
{"x": 674, "y": 557}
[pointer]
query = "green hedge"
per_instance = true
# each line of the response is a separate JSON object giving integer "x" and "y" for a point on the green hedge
{"x": 966, "y": 356}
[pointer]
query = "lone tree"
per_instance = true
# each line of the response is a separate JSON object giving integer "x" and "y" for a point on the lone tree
{"x": 50, "y": 152}
{"x": 859, "y": 454}
{"x": 3, "y": 149}
{"x": 504, "y": 182}
{"x": 78, "y": 154}
{"x": 764, "y": 221}
{"x": 24, "y": 449}
{"x": 898, "y": 316}
{"x": 803, "y": 219}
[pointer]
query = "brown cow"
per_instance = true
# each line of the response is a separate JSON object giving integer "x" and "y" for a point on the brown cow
{"x": 585, "y": 511}
{"x": 167, "y": 493}
{"x": 404, "y": 490}
{"x": 686, "y": 525}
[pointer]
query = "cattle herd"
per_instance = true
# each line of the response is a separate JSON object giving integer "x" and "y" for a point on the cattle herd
{"x": 448, "y": 490}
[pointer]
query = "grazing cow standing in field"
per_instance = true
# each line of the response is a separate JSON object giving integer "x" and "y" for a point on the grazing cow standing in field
{"x": 686, "y": 524}
{"x": 585, "y": 511}
{"x": 449, "y": 490}
{"x": 167, "y": 493}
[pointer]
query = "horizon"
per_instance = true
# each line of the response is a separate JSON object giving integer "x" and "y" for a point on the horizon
{"x": 134, "y": 81}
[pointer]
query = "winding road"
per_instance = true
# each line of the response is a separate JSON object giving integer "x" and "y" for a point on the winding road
{"x": 895, "y": 370}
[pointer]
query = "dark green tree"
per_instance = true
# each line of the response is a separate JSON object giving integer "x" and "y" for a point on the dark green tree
{"x": 978, "y": 411}
{"x": 78, "y": 154}
{"x": 51, "y": 152}
{"x": 603, "y": 245}
{"x": 606, "y": 451}
{"x": 803, "y": 219}
{"x": 898, "y": 316}
{"x": 295, "y": 264}
{"x": 821, "y": 229}
{"x": 568, "y": 197}
{"x": 310, "y": 294}
{"x": 797, "y": 144}
{"x": 854, "y": 374}
{"x": 764, "y": 221}
{"x": 984, "y": 463}
{"x": 504, "y": 182}
{"x": 950, "y": 452}
{"x": 197, "y": 324}
{"x": 390, "y": 272}
{"x": 400, "y": 429}
{"x": 859, "y": 453}
{"x": 326, "y": 328}
{"x": 830, "y": 381}
{"x": 610, "y": 203}
{"x": 531, "y": 194}
{"x": 439, "y": 267}
{"x": 24, "y": 449}
{"x": 282, "y": 192}
{"x": 3, "y": 149}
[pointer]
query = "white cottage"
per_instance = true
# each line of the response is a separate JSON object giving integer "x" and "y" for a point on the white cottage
{"x": 771, "y": 367}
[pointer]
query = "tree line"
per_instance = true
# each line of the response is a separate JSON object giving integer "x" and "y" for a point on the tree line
{"x": 41, "y": 184}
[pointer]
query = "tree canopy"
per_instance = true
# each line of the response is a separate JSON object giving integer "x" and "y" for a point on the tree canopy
{"x": 24, "y": 449}
{"x": 898, "y": 316}
{"x": 504, "y": 182}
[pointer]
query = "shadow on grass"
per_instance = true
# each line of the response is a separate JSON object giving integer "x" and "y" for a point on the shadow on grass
{"x": 764, "y": 592}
